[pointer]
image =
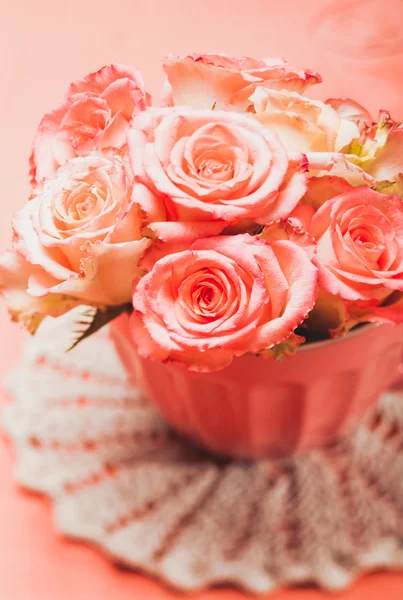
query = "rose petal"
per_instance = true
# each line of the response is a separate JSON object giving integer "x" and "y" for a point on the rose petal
{"x": 203, "y": 81}
{"x": 108, "y": 273}
{"x": 303, "y": 288}
{"x": 99, "y": 81}
{"x": 336, "y": 164}
{"x": 322, "y": 189}
{"x": 186, "y": 232}
{"x": 351, "y": 111}
{"x": 23, "y": 307}
{"x": 27, "y": 242}
{"x": 388, "y": 163}
{"x": 43, "y": 156}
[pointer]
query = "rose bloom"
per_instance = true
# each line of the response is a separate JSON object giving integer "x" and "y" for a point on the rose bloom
{"x": 95, "y": 115}
{"x": 206, "y": 170}
{"x": 79, "y": 237}
{"x": 320, "y": 130}
{"x": 221, "y": 298}
{"x": 205, "y": 80}
{"x": 360, "y": 244}
{"x": 359, "y": 236}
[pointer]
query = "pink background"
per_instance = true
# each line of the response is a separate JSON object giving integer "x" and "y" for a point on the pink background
{"x": 44, "y": 44}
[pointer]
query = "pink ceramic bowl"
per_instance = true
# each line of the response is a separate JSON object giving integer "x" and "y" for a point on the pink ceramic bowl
{"x": 257, "y": 407}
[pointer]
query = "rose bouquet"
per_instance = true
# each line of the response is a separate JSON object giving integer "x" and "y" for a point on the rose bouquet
{"x": 240, "y": 216}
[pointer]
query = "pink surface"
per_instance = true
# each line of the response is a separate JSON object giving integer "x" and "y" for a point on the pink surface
{"x": 358, "y": 48}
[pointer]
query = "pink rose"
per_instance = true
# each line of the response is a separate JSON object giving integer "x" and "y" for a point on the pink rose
{"x": 359, "y": 238}
{"x": 223, "y": 297}
{"x": 95, "y": 115}
{"x": 81, "y": 233}
{"x": 205, "y": 80}
{"x": 206, "y": 170}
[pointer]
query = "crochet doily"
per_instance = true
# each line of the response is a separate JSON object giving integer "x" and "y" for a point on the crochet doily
{"x": 88, "y": 438}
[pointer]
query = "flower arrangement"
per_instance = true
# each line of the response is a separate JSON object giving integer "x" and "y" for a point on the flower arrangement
{"x": 239, "y": 216}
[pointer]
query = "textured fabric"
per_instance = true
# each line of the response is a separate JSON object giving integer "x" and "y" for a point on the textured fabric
{"x": 119, "y": 479}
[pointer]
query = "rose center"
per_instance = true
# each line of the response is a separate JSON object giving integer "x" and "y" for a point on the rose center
{"x": 79, "y": 205}
{"x": 86, "y": 204}
{"x": 369, "y": 241}
{"x": 368, "y": 237}
{"x": 83, "y": 208}
{"x": 207, "y": 296}
{"x": 214, "y": 153}
{"x": 212, "y": 168}
{"x": 362, "y": 237}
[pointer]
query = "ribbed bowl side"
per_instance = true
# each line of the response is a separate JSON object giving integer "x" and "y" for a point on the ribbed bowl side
{"x": 257, "y": 407}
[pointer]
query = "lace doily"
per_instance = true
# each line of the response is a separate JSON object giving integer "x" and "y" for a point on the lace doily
{"x": 87, "y": 437}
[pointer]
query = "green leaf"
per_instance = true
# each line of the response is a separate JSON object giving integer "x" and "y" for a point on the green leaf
{"x": 92, "y": 319}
